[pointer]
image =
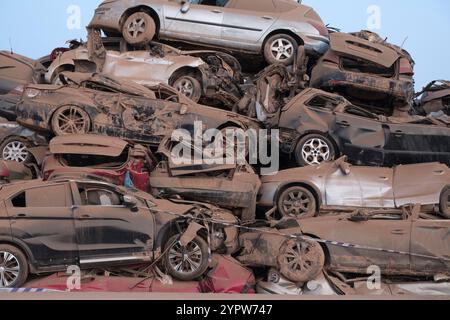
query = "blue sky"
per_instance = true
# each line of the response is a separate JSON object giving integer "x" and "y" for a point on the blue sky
{"x": 35, "y": 27}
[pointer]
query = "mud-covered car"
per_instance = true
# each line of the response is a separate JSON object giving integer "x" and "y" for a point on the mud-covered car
{"x": 120, "y": 162}
{"x": 404, "y": 242}
{"x": 197, "y": 74}
{"x": 317, "y": 126}
{"x": 368, "y": 71}
{"x": 231, "y": 186}
{"x": 47, "y": 226}
{"x": 16, "y": 71}
{"x": 303, "y": 192}
{"x": 12, "y": 171}
{"x": 434, "y": 98}
{"x": 108, "y": 106}
{"x": 274, "y": 28}
{"x": 15, "y": 141}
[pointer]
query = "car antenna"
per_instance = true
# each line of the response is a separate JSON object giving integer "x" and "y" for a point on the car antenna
{"x": 10, "y": 46}
{"x": 404, "y": 41}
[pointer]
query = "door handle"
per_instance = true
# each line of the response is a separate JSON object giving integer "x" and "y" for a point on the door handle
{"x": 216, "y": 11}
{"x": 398, "y": 232}
{"x": 85, "y": 216}
{"x": 384, "y": 178}
{"x": 20, "y": 215}
{"x": 399, "y": 134}
{"x": 267, "y": 17}
{"x": 344, "y": 124}
{"x": 439, "y": 172}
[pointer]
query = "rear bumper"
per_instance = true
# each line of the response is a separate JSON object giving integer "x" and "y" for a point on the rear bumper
{"x": 328, "y": 75}
{"x": 107, "y": 17}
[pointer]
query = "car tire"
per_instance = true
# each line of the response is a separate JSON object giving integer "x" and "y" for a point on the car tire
{"x": 444, "y": 203}
{"x": 314, "y": 149}
{"x": 197, "y": 252}
{"x": 280, "y": 49}
{"x": 15, "y": 149}
{"x": 297, "y": 202}
{"x": 301, "y": 260}
{"x": 189, "y": 86}
{"x": 70, "y": 120}
{"x": 139, "y": 29}
{"x": 13, "y": 267}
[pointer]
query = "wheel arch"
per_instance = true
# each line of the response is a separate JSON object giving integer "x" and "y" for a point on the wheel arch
{"x": 326, "y": 134}
{"x": 67, "y": 66}
{"x": 141, "y": 8}
{"x": 297, "y": 38}
{"x": 311, "y": 188}
{"x": 186, "y": 71}
{"x": 325, "y": 248}
{"x": 23, "y": 248}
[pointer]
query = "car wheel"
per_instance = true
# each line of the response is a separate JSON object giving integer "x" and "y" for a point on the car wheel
{"x": 314, "y": 149}
{"x": 281, "y": 49}
{"x": 189, "y": 86}
{"x": 301, "y": 260}
{"x": 139, "y": 29}
{"x": 13, "y": 267}
{"x": 15, "y": 149}
{"x": 297, "y": 202}
{"x": 70, "y": 120}
{"x": 186, "y": 263}
{"x": 444, "y": 203}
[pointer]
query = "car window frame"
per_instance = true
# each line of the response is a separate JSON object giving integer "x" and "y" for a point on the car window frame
{"x": 9, "y": 204}
{"x": 77, "y": 195}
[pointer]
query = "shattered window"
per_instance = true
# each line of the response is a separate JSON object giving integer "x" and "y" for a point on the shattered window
{"x": 86, "y": 160}
{"x": 323, "y": 102}
{"x": 362, "y": 66}
{"x": 99, "y": 197}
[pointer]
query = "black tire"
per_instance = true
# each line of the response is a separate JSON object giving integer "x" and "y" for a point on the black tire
{"x": 12, "y": 149}
{"x": 314, "y": 149}
{"x": 297, "y": 202}
{"x": 15, "y": 269}
{"x": 301, "y": 260}
{"x": 444, "y": 203}
{"x": 189, "y": 86}
{"x": 171, "y": 261}
{"x": 62, "y": 116}
{"x": 280, "y": 49}
{"x": 139, "y": 29}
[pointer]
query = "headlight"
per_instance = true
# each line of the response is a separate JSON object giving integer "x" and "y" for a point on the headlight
{"x": 32, "y": 93}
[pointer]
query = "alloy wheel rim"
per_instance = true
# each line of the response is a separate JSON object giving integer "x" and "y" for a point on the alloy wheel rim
{"x": 15, "y": 151}
{"x": 296, "y": 204}
{"x": 282, "y": 49}
{"x": 316, "y": 151}
{"x": 136, "y": 27}
{"x": 185, "y": 260}
{"x": 9, "y": 269}
{"x": 299, "y": 257}
{"x": 185, "y": 87}
{"x": 71, "y": 121}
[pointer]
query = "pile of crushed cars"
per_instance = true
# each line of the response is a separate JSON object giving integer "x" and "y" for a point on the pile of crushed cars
{"x": 88, "y": 180}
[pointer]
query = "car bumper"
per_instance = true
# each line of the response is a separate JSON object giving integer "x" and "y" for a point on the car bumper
{"x": 316, "y": 45}
{"x": 327, "y": 75}
{"x": 107, "y": 17}
{"x": 267, "y": 194}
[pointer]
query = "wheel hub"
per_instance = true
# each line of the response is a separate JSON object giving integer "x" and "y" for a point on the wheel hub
{"x": 15, "y": 151}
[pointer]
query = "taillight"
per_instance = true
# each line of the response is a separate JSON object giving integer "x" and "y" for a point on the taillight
{"x": 405, "y": 67}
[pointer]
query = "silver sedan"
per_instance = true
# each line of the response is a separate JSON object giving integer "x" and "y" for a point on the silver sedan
{"x": 273, "y": 27}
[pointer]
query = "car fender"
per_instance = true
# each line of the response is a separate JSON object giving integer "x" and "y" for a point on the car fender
{"x": 318, "y": 194}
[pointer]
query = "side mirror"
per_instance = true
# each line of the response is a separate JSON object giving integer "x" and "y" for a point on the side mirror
{"x": 131, "y": 203}
{"x": 185, "y": 6}
{"x": 345, "y": 168}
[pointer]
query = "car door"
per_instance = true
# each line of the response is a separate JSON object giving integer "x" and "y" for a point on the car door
{"x": 380, "y": 241}
{"x": 42, "y": 218}
{"x": 377, "y": 186}
{"x": 202, "y": 22}
{"x": 246, "y": 22}
{"x": 362, "y": 136}
{"x": 342, "y": 189}
{"x": 430, "y": 245}
{"x": 417, "y": 143}
{"x": 107, "y": 230}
